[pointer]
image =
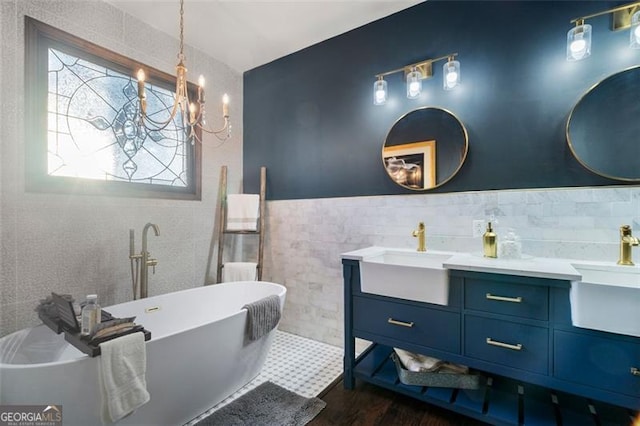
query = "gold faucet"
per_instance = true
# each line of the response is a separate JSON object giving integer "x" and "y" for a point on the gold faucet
{"x": 626, "y": 242}
{"x": 146, "y": 260}
{"x": 421, "y": 237}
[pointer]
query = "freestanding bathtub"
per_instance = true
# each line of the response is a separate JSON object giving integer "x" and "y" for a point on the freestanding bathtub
{"x": 196, "y": 357}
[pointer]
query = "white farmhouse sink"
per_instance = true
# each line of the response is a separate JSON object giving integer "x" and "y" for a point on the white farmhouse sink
{"x": 607, "y": 298}
{"x": 406, "y": 274}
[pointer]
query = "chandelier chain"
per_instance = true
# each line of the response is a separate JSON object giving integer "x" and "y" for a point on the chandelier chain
{"x": 181, "y": 54}
{"x": 192, "y": 113}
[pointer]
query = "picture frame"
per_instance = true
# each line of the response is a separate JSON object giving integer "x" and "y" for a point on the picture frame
{"x": 412, "y": 165}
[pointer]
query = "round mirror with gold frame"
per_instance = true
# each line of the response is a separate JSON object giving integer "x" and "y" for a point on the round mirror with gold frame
{"x": 603, "y": 129}
{"x": 425, "y": 148}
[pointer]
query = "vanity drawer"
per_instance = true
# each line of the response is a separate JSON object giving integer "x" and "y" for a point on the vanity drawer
{"x": 421, "y": 326}
{"x": 520, "y": 300}
{"x": 599, "y": 362}
{"x": 515, "y": 345}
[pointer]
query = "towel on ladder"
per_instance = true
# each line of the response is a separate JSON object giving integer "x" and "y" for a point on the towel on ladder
{"x": 239, "y": 271}
{"x": 262, "y": 317}
{"x": 243, "y": 211}
{"x": 123, "y": 365}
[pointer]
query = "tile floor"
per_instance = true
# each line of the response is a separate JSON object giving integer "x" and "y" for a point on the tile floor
{"x": 301, "y": 365}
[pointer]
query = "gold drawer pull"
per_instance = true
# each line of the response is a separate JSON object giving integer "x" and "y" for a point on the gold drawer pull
{"x": 517, "y": 347}
{"x": 635, "y": 371}
{"x": 402, "y": 323}
{"x": 504, "y": 299}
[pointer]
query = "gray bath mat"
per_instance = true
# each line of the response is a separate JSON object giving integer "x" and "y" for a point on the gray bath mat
{"x": 266, "y": 405}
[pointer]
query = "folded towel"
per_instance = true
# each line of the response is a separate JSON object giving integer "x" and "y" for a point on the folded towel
{"x": 123, "y": 365}
{"x": 417, "y": 362}
{"x": 239, "y": 271}
{"x": 243, "y": 211}
{"x": 262, "y": 317}
{"x": 426, "y": 364}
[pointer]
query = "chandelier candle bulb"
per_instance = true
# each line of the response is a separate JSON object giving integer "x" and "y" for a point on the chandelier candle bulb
{"x": 201, "y": 89}
{"x": 225, "y": 105}
{"x": 192, "y": 113}
{"x": 141, "y": 77}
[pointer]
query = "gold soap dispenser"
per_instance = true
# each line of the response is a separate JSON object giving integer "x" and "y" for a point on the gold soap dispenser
{"x": 489, "y": 242}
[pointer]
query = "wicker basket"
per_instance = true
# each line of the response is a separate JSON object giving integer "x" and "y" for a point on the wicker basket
{"x": 435, "y": 379}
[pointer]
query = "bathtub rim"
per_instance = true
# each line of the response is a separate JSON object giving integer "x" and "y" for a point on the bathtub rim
{"x": 281, "y": 293}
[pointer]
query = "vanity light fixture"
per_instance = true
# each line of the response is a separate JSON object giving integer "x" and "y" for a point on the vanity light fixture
{"x": 414, "y": 84}
{"x": 634, "y": 31}
{"x": 380, "y": 91}
{"x": 451, "y": 73}
{"x": 579, "y": 41}
{"x": 579, "y": 37}
{"x": 414, "y": 74}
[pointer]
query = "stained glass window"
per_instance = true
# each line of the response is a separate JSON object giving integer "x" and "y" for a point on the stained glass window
{"x": 93, "y": 131}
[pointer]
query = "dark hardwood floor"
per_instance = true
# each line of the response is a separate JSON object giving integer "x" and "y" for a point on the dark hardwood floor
{"x": 369, "y": 405}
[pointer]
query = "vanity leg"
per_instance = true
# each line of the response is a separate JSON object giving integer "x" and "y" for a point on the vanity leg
{"x": 349, "y": 341}
{"x": 349, "y": 361}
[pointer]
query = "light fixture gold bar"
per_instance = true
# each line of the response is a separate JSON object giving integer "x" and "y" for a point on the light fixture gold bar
{"x": 624, "y": 8}
{"x": 621, "y": 19}
{"x": 424, "y": 66}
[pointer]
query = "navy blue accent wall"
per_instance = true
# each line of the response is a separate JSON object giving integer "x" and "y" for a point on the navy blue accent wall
{"x": 309, "y": 117}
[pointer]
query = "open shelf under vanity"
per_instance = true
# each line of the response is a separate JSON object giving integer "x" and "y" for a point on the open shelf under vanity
{"x": 502, "y": 401}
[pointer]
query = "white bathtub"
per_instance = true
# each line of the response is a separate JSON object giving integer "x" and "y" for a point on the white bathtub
{"x": 196, "y": 357}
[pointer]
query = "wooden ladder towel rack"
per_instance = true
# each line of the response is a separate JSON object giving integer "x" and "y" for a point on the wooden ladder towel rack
{"x": 222, "y": 214}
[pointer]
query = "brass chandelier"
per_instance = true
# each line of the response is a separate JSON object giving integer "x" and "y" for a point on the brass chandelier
{"x": 192, "y": 113}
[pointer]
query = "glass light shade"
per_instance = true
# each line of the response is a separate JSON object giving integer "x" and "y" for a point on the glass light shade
{"x": 414, "y": 84}
{"x": 579, "y": 42}
{"x": 380, "y": 92}
{"x": 450, "y": 75}
{"x": 634, "y": 31}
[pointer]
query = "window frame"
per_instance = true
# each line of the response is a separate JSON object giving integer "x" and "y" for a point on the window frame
{"x": 39, "y": 37}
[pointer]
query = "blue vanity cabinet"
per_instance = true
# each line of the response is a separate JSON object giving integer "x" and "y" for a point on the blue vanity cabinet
{"x": 400, "y": 323}
{"x": 599, "y": 362}
{"x": 516, "y": 331}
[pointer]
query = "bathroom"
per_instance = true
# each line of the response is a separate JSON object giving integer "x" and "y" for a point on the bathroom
{"x": 309, "y": 118}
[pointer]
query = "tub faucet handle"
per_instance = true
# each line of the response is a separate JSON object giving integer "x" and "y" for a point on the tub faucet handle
{"x": 152, "y": 262}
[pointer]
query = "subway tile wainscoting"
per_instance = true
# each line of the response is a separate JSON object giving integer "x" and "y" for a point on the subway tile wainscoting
{"x": 306, "y": 237}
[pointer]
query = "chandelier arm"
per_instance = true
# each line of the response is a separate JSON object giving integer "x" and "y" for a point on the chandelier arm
{"x": 161, "y": 125}
{"x": 156, "y": 125}
{"x": 213, "y": 131}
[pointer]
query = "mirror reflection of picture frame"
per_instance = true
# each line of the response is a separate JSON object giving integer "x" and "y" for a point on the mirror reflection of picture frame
{"x": 412, "y": 165}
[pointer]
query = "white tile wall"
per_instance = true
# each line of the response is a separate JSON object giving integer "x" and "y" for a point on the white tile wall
{"x": 79, "y": 244}
{"x": 305, "y": 237}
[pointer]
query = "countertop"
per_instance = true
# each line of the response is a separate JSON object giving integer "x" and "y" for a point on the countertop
{"x": 528, "y": 266}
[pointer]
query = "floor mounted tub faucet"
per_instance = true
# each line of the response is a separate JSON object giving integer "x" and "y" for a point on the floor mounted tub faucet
{"x": 140, "y": 263}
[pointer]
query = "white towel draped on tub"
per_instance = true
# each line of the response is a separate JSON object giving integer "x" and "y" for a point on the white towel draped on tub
{"x": 123, "y": 366}
{"x": 243, "y": 211}
{"x": 239, "y": 271}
